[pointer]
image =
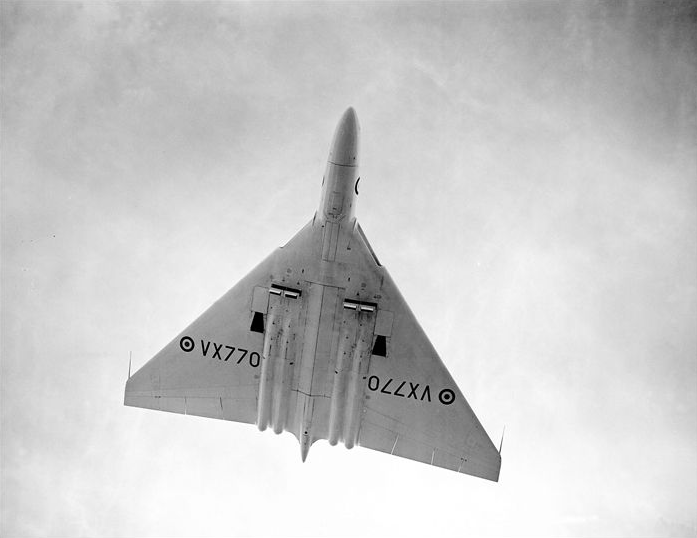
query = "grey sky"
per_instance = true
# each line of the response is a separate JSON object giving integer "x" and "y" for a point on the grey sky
{"x": 529, "y": 179}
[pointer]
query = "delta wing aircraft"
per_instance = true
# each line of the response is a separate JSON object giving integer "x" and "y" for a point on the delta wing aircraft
{"x": 317, "y": 340}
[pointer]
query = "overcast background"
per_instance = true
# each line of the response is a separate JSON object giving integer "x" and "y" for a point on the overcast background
{"x": 529, "y": 179}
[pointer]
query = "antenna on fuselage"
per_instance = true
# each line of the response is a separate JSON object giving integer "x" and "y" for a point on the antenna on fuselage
{"x": 129, "y": 364}
{"x": 501, "y": 443}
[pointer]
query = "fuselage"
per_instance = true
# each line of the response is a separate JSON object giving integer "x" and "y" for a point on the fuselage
{"x": 329, "y": 356}
{"x": 336, "y": 218}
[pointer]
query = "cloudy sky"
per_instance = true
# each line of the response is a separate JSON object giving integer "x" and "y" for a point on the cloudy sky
{"x": 529, "y": 179}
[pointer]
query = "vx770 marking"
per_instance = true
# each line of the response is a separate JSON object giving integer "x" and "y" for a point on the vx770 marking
{"x": 445, "y": 396}
{"x": 187, "y": 344}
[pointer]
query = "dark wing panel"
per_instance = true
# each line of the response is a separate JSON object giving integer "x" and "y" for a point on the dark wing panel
{"x": 413, "y": 408}
{"x": 211, "y": 369}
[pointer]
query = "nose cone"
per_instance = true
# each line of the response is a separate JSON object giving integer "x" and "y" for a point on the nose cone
{"x": 344, "y": 150}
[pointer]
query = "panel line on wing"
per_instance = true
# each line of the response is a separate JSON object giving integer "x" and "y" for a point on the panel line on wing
{"x": 450, "y": 449}
{"x": 310, "y": 395}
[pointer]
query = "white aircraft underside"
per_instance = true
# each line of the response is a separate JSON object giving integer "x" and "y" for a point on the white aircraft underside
{"x": 317, "y": 340}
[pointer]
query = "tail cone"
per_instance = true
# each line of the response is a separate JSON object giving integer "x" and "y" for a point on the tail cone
{"x": 305, "y": 446}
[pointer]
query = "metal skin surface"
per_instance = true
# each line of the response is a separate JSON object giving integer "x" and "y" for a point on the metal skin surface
{"x": 317, "y": 340}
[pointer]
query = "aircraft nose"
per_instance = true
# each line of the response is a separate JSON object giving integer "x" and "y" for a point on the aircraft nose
{"x": 350, "y": 115}
{"x": 344, "y": 150}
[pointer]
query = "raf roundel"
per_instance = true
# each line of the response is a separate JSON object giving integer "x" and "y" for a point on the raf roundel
{"x": 446, "y": 396}
{"x": 187, "y": 344}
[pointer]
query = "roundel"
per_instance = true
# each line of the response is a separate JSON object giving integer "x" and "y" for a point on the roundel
{"x": 186, "y": 343}
{"x": 446, "y": 396}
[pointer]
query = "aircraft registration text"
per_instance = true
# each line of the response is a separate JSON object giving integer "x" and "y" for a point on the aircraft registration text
{"x": 221, "y": 352}
{"x": 407, "y": 389}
